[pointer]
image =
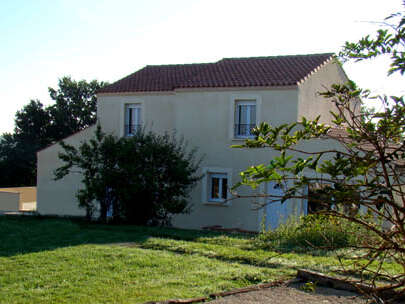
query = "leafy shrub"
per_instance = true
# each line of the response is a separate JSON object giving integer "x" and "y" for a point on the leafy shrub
{"x": 314, "y": 231}
{"x": 143, "y": 179}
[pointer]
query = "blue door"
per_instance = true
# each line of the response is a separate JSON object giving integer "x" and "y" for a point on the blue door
{"x": 276, "y": 212}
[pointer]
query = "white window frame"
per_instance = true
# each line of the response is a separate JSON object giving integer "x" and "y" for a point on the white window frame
{"x": 221, "y": 177}
{"x": 238, "y": 114}
{"x": 210, "y": 172}
{"x": 237, "y": 99}
{"x": 137, "y": 105}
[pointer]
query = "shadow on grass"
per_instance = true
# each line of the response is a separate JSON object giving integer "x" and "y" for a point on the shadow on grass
{"x": 25, "y": 234}
{"x": 317, "y": 251}
{"x": 240, "y": 259}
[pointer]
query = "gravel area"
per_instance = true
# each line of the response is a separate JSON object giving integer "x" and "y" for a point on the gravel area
{"x": 293, "y": 295}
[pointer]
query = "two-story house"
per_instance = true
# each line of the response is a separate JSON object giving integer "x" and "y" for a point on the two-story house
{"x": 214, "y": 106}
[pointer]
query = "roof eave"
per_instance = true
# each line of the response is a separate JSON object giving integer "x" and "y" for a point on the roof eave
{"x": 327, "y": 61}
{"x": 194, "y": 89}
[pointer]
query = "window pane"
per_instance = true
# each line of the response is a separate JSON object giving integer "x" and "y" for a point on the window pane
{"x": 252, "y": 115}
{"x": 224, "y": 188}
{"x": 215, "y": 187}
{"x": 137, "y": 116}
{"x": 126, "y": 114}
{"x": 130, "y": 115}
{"x": 242, "y": 114}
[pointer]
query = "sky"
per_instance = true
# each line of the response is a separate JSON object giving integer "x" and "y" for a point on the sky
{"x": 42, "y": 41}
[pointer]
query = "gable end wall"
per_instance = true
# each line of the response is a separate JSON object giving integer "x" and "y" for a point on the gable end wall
{"x": 310, "y": 103}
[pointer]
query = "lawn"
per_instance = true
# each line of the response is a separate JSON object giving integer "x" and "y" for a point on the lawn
{"x": 50, "y": 260}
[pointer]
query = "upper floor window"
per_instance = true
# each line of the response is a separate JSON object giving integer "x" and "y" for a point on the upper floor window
{"x": 245, "y": 118}
{"x": 133, "y": 120}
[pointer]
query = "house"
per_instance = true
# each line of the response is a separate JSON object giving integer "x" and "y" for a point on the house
{"x": 214, "y": 106}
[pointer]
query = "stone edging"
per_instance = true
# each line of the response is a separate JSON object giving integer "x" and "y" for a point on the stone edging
{"x": 344, "y": 284}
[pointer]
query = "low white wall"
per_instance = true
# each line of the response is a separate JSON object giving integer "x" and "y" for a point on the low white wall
{"x": 9, "y": 201}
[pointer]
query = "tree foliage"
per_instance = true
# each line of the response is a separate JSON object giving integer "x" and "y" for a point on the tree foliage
{"x": 75, "y": 106}
{"x": 143, "y": 179}
{"x": 16, "y": 166}
{"x": 37, "y": 126}
{"x": 361, "y": 164}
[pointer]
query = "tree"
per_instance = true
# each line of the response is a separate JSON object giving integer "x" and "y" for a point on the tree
{"x": 364, "y": 172}
{"x": 75, "y": 106}
{"x": 17, "y": 151}
{"x": 32, "y": 124}
{"x": 143, "y": 179}
{"x": 37, "y": 126}
{"x": 15, "y": 166}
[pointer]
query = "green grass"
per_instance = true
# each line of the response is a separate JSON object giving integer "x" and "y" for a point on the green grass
{"x": 48, "y": 260}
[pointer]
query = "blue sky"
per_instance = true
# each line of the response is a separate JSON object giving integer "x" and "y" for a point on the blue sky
{"x": 41, "y": 41}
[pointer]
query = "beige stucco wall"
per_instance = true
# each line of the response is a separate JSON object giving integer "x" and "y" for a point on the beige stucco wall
{"x": 311, "y": 104}
{"x": 58, "y": 197}
{"x": 205, "y": 118}
{"x": 29, "y": 194}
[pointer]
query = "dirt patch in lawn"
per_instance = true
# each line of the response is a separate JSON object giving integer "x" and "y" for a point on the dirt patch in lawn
{"x": 278, "y": 292}
{"x": 293, "y": 294}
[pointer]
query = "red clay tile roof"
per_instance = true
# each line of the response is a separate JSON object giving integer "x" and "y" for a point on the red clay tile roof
{"x": 228, "y": 72}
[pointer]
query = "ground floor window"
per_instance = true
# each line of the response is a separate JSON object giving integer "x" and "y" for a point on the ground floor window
{"x": 216, "y": 185}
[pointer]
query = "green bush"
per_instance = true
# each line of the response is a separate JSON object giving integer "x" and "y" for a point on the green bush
{"x": 143, "y": 179}
{"x": 312, "y": 232}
